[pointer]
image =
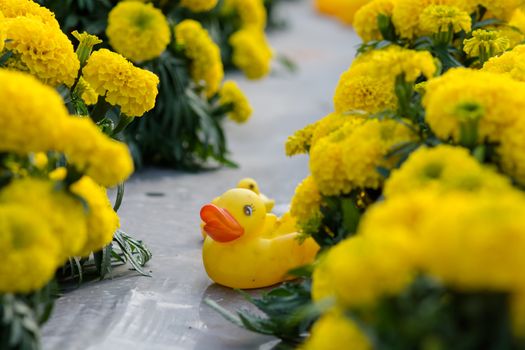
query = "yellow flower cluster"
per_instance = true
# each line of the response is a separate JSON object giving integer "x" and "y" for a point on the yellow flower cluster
{"x": 199, "y": 5}
{"x": 121, "y": 83}
{"x": 349, "y": 157}
{"x": 138, "y": 31}
{"x": 369, "y": 83}
{"x": 334, "y": 329}
{"x": 230, "y": 94}
{"x": 366, "y": 19}
{"x": 41, "y": 226}
{"x": 442, "y": 169}
{"x": 306, "y": 202}
{"x": 441, "y": 18}
{"x": 251, "y": 52}
{"x": 252, "y": 13}
{"x": 37, "y": 121}
{"x": 40, "y": 49}
{"x": 425, "y": 229}
{"x": 63, "y": 213}
{"x": 27, "y": 8}
{"x": 29, "y": 250}
{"x": 32, "y": 120}
{"x": 509, "y": 63}
{"x": 205, "y": 56}
{"x": 463, "y": 100}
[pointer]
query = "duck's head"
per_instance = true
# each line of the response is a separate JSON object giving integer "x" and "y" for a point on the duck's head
{"x": 236, "y": 213}
{"x": 249, "y": 184}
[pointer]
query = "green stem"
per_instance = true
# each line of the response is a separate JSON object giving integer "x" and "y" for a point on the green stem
{"x": 120, "y": 196}
{"x": 122, "y": 124}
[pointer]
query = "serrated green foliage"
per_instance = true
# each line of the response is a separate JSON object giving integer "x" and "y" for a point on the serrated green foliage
{"x": 21, "y": 316}
{"x": 286, "y": 312}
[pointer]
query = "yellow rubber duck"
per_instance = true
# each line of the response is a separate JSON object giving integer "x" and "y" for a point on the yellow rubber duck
{"x": 247, "y": 248}
{"x": 250, "y": 184}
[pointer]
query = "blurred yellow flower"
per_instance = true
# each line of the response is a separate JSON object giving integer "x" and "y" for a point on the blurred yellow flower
{"x": 366, "y": 19}
{"x": 251, "y": 52}
{"x": 252, "y": 13}
{"x": 461, "y": 94}
{"x": 230, "y": 93}
{"x": 33, "y": 119}
{"x": 441, "y": 18}
{"x": 204, "y": 54}
{"x": 105, "y": 160}
{"x": 138, "y": 31}
{"x": 306, "y": 202}
{"x": 102, "y": 221}
{"x": 334, "y": 331}
{"x": 28, "y": 247}
{"x": 62, "y": 212}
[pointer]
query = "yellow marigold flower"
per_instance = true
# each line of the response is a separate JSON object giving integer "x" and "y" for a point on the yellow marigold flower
{"x": 518, "y": 20}
{"x": 102, "y": 221}
{"x": 230, "y": 93}
{"x": 251, "y": 52}
{"x": 62, "y": 212}
{"x": 452, "y": 99}
{"x": 369, "y": 83}
{"x": 32, "y": 121}
{"x": 138, "y": 31}
{"x": 334, "y": 329}
{"x": 510, "y": 151}
{"x": 252, "y": 13}
{"x": 485, "y": 44}
{"x": 385, "y": 274}
{"x": 442, "y": 225}
{"x": 365, "y": 149}
{"x": 29, "y": 250}
{"x": 488, "y": 228}
{"x": 344, "y": 10}
{"x": 28, "y": 8}
{"x": 105, "y": 160}
{"x": 441, "y": 18}
{"x": 509, "y": 63}
{"x": 121, "y": 83}
{"x": 306, "y": 202}
{"x": 406, "y": 15}
{"x": 443, "y": 168}
{"x": 199, "y": 5}
{"x": 42, "y": 50}
{"x": 204, "y": 54}
{"x": 326, "y": 160}
{"x": 365, "y": 19}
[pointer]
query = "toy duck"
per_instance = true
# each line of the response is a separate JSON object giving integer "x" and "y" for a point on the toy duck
{"x": 250, "y": 184}
{"x": 247, "y": 248}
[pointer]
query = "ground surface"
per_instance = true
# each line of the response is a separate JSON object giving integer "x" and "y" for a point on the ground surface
{"x": 167, "y": 311}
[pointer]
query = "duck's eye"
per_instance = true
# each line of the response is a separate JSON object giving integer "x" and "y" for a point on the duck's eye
{"x": 248, "y": 210}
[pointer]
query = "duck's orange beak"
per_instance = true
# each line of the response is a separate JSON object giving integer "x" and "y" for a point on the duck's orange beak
{"x": 219, "y": 224}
